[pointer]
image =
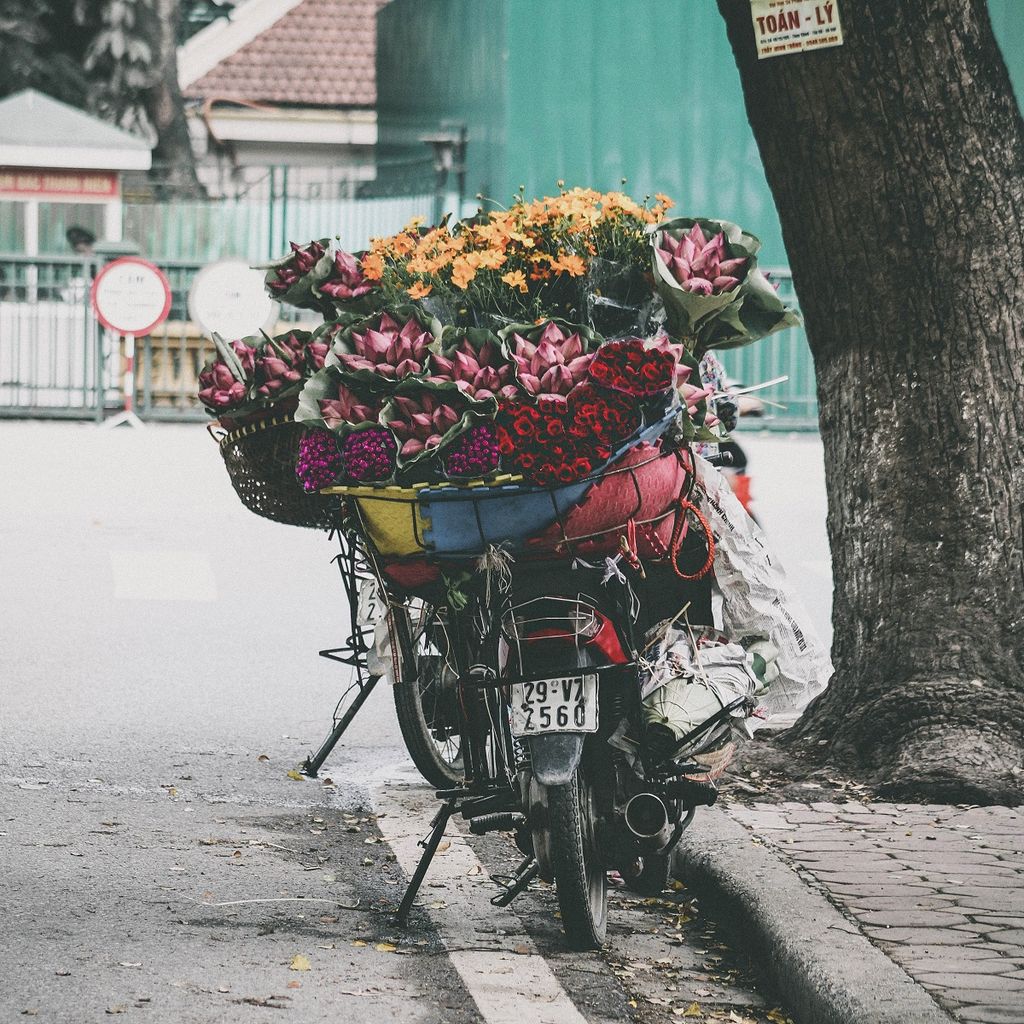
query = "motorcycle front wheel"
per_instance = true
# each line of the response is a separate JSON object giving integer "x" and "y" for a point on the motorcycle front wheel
{"x": 424, "y": 702}
{"x": 580, "y": 877}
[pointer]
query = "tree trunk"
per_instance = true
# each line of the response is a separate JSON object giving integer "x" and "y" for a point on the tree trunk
{"x": 174, "y": 165}
{"x": 897, "y": 165}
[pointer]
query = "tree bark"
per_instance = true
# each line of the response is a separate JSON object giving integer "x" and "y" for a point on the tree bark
{"x": 897, "y": 165}
{"x": 174, "y": 165}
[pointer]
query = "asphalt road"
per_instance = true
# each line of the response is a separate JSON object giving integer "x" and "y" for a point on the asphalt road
{"x": 159, "y": 678}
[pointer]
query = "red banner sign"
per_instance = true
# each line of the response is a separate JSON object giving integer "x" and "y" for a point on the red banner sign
{"x": 53, "y": 184}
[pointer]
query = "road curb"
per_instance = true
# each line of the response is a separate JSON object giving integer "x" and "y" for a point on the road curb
{"x": 825, "y": 969}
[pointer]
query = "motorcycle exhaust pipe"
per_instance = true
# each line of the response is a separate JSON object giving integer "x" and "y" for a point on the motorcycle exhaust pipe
{"x": 646, "y": 817}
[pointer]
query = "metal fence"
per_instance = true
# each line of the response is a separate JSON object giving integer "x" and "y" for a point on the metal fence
{"x": 56, "y": 362}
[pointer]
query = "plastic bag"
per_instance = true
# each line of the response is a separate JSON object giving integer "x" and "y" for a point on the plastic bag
{"x": 759, "y": 600}
{"x": 693, "y": 677}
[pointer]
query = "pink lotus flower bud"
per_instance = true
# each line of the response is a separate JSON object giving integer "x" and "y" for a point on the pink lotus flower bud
{"x": 444, "y": 418}
{"x": 557, "y": 380}
{"x": 412, "y": 447}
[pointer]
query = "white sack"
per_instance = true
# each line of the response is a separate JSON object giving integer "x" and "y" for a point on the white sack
{"x": 757, "y": 598}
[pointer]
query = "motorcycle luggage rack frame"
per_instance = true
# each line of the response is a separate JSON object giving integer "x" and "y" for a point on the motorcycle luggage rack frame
{"x": 352, "y": 653}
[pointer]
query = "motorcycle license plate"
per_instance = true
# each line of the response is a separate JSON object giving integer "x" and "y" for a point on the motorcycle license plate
{"x": 564, "y": 704}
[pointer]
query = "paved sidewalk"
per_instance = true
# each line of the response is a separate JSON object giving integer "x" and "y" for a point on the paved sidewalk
{"x": 939, "y": 889}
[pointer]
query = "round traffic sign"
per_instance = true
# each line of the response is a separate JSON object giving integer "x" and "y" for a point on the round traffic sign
{"x": 228, "y": 298}
{"x": 131, "y": 296}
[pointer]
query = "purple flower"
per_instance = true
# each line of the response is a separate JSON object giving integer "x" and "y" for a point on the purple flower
{"x": 346, "y": 280}
{"x": 369, "y": 455}
{"x": 390, "y": 351}
{"x": 218, "y": 388}
{"x": 300, "y": 263}
{"x": 698, "y": 264}
{"x": 474, "y": 453}
{"x": 319, "y": 461}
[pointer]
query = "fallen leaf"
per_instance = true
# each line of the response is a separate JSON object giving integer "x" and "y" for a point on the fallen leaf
{"x": 476, "y": 869}
{"x": 358, "y": 942}
{"x": 223, "y": 988}
{"x": 128, "y": 963}
{"x": 385, "y": 947}
{"x": 295, "y": 984}
{"x": 63, "y": 974}
{"x": 294, "y": 775}
{"x": 442, "y": 846}
{"x": 117, "y": 1009}
{"x": 263, "y": 757}
{"x": 31, "y": 1012}
{"x": 522, "y": 950}
{"x": 299, "y": 963}
{"x": 693, "y": 1010}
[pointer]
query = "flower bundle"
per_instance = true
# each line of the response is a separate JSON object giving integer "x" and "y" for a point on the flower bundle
{"x": 254, "y": 375}
{"x": 468, "y": 348}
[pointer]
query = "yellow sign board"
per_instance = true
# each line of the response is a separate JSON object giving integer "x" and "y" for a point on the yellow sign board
{"x": 783, "y": 27}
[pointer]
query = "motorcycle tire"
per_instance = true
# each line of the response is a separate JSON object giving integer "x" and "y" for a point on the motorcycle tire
{"x": 581, "y": 881}
{"x": 421, "y": 717}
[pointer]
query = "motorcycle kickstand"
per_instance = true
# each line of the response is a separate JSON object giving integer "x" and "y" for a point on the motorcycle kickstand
{"x": 524, "y": 875}
{"x": 430, "y": 844}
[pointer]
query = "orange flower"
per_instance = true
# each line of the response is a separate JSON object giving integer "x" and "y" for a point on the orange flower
{"x": 463, "y": 272}
{"x": 515, "y": 279}
{"x": 570, "y": 264}
{"x": 420, "y": 290}
{"x": 372, "y": 266}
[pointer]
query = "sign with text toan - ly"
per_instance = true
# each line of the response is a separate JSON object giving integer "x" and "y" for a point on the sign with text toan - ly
{"x": 791, "y": 26}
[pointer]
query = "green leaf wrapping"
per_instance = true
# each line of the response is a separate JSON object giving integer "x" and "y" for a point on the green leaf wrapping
{"x": 748, "y": 311}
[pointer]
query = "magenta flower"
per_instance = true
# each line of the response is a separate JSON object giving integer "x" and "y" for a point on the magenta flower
{"x": 391, "y": 351}
{"x": 274, "y": 373}
{"x": 297, "y": 266}
{"x": 219, "y": 389}
{"x": 420, "y": 423}
{"x": 316, "y": 353}
{"x": 369, "y": 455}
{"x": 348, "y": 408}
{"x": 554, "y": 365}
{"x": 479, "y": 373}
{"x": 319, "y": 462}
{"x": 698, "y": 265}
{"x": 474, "y": 453}
{"x": 346, "y": 280}
{"x": 246, "y": 356}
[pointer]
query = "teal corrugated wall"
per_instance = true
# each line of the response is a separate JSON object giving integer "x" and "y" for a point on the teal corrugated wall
{"x": 646, "y": 91}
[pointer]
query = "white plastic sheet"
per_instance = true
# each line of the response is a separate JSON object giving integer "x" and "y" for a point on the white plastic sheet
{"x": 758, "y": 598}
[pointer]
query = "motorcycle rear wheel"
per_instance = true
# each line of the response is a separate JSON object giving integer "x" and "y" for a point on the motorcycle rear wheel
{"x": 579, "y": 869}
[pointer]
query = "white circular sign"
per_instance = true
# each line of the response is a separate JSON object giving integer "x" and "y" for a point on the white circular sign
{"x": 228, "y": 298}
{"x": 131, "y": 296}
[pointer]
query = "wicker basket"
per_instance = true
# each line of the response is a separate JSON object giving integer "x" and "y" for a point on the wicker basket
{"x": 260, "y": 459}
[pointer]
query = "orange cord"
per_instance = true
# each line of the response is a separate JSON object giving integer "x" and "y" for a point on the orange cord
{"x": 679, "y": 532}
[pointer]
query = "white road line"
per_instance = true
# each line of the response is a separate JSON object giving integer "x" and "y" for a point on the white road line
{"x": 154, "y": 575}
{"x": 507, "y": 987}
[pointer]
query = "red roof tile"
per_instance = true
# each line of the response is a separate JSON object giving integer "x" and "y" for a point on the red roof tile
{"x": 322, "y": 53}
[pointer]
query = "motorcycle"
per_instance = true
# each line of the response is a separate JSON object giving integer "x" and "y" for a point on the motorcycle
{"x": 538, "y": 674}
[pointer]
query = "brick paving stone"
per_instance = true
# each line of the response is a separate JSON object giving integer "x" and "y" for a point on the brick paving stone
{"x": 942, "y": 967}
{"x": 911, "y": 919}
{"x": 990, "y": 1015}
{"x": 973, "y": 981}
{"x": 990, "y": 996}
{"x": 917, "y": 936}
{"x": 936, "y": 902}
{"x": 1010, "y": 937}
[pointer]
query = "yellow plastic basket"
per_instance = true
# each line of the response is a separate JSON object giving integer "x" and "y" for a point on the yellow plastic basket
{"x": 390, "y": 515}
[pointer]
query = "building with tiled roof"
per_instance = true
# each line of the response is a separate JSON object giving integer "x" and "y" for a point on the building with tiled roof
{"x": 284, "y": 83}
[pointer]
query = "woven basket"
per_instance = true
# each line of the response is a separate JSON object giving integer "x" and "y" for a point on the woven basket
{"x": 260, "y": 459}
